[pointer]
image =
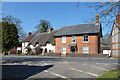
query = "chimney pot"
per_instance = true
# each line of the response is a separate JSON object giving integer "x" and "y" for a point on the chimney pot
{"x": 118, "y": 18}
{"x": 50, "y": 29}
{"x": 29, "y": 33}
{"x": 117, "y": 13}
{"x": 97, "y": 19}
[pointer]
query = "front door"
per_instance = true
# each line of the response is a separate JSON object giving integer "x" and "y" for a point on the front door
{"x": 63, "y": 53}
{"x": 72, "y": 49}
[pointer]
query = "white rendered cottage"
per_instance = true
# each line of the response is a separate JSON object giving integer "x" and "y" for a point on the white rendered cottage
{"x": 26, "y": 41}
{"x": 44, "y": 41}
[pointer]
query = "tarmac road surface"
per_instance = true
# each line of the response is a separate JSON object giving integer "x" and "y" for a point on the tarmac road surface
{"x": 34, "y": 67}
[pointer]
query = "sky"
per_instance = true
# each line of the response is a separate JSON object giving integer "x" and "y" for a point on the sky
{"x": 59, "y": 14}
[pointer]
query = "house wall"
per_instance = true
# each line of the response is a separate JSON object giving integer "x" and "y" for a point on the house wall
{"x": 49, "y": 47}
{"x": 24, "y": 44}
{"x": 93, "y": 44}
{"x": 115, "y": 41}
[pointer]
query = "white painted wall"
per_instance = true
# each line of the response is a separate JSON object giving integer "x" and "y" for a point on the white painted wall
{"x": 24, "y": 44}
{"x": 49, "y": 47}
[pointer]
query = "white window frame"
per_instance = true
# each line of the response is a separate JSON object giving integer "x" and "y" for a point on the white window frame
{"x": 85, "y": 51}
{"x": 86, "y": 38}
{"x": 72, "y": 39}
{"x": 63, "y": 37}
{"x": 24, "y": 44}
{"x": 63, "y": 49}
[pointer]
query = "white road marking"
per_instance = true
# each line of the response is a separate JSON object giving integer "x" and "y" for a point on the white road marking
{"x": 84, "y": 72}
{"x": 97, "y": 63}
{"x": 104, "y": 63}
{"x": 91, "y": 74}
{"x": 85, "y": 64}
{"x": 97, "y": 67}
{"x": 100, "y": 68}
{"x": 45, "y": 71}
{"x": 55, "y": 74}
{"x": 76, "y": 70}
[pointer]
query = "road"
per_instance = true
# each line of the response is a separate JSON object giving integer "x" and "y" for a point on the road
{"x": 32, "y": 67}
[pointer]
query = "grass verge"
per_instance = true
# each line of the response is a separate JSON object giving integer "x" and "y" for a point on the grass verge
{"x": 110, "y": 75}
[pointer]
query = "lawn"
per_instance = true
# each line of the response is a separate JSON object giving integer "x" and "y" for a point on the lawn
{"x": 110, "y": 75}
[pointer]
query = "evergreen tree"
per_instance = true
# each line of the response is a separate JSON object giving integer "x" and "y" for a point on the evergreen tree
{"x": 17, "y": 22}
{"x": 9, "y": 36}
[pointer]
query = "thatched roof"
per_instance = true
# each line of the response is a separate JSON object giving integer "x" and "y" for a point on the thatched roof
{"x": 29, "y": 38}
{"x": 43, "y": 38}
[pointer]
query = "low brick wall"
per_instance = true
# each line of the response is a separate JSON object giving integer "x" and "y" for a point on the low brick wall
{"x": 78, "y": 55}
{"x": 87, "y": 55}
{"x": 53, "y": 54}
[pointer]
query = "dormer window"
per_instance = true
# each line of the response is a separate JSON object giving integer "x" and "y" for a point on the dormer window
{"x": 73, "y": 39}
{"x": 85, "y": 38}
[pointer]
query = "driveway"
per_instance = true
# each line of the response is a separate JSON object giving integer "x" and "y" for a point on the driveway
{"x": 52, "y": 68}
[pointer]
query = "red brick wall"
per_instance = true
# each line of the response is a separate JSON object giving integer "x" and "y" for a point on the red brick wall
{"x": 93, "y": 44}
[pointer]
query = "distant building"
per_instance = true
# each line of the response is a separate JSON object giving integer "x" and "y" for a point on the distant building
{"x": 115, "y": 37}
{"x": 106, "y": 50}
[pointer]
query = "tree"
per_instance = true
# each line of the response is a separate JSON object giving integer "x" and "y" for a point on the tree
{"x": 10, "y": 19}
{"x": 107, "y": 11}
{"x": 106, "y": 40}
{"x": 9, "y": 36}
{"x": 43, "y": 26}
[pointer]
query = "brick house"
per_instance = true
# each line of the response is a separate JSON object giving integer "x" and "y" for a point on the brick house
{"x": 82, "y": 39}
{"x": 115, "y": 36}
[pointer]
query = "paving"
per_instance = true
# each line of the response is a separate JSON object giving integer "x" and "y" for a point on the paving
{"x": 48, "y": 67}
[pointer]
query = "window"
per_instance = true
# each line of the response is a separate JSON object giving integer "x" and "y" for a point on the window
{"x": 85, "y": 38}
{"x": 24, "y": 44}
{"x": 63, "y": 39}
{"x": 85, "y": 49}
{"x": 73, "y": 38}
{"x": 63, "y": 50}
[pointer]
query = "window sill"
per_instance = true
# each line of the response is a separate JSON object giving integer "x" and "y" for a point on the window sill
{"x": 85, "y": 42}
{"x": 63, "y": 43}
{"x": 85, "y": 53}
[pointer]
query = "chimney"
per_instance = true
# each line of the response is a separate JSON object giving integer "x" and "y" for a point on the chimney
{"x": 118, "y": 18}
{"x": 97, "y": 19}
{"x": 50, "y": 29}
{"x": 29, "y": 33}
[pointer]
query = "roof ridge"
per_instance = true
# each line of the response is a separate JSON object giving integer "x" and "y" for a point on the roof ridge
{"x": 48, "y": 32}
{"x": 77, "y": 25}
{"x": 42, "y": 33}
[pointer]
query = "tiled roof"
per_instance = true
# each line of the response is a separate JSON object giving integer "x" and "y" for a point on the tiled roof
{"x": 113, "y": 26}
{"x": 79, "y": 29}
